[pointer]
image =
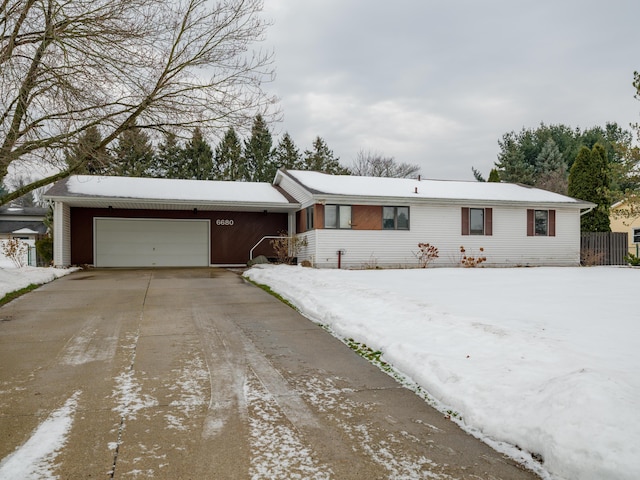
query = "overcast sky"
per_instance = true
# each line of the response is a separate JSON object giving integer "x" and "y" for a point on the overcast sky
{"x": 438, "y": 83}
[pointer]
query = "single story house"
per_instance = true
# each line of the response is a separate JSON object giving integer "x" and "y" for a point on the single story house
{"x": 25, "y": 224}
{"x": 629, "y": 224}
{"x": 346, "y": 221}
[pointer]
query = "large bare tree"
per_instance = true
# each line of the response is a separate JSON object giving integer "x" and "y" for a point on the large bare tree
{"x": 70, "y": 65}
{"x": 374, "y": 164}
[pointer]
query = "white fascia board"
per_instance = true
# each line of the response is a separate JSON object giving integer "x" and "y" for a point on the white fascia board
{"x": 120, "y": 202}
{"x": 399, "y": 201}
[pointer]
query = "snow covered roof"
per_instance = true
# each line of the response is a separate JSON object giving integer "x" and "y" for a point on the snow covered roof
{"x": 133, "y": 192}
{"x": 376, "y": 187}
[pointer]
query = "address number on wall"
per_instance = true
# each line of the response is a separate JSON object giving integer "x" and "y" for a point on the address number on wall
{"x": 224, "y": 222}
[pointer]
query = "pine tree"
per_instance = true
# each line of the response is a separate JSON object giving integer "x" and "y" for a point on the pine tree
{"x": 551, "y": 169}
{"x": 88, "y": 146}
{"x": 228, "y": 160}
{"x": 494, "y": 176}
{"x": 169, "y": 158}
{"x": 197, "y": 161}
{"x": 321, "y": 159}
{"x": 258, "y": 154}
{"x": 287, "y": 155}
{"x": 589, "y": 180}
{"x": 134, "y": 154}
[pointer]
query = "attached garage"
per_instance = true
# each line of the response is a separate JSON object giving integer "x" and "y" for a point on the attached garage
{"x": 143, "y": 242}
{"x": 149, "y": 222}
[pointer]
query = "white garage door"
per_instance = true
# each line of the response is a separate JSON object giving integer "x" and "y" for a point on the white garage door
{"x": 137, "y": 242}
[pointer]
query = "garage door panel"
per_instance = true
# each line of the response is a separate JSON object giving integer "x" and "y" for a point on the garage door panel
{"x": 151, "y": 243}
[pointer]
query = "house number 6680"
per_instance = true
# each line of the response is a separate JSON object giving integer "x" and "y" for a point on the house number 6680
{"x": 224, "y": 222}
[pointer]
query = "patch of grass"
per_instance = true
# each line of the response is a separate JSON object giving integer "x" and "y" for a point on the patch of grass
{"x": 267, "y": 289}
{"x": 18, "y": 293}
{"x": 375, "y": 357}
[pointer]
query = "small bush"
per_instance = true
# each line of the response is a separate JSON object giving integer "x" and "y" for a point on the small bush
{"x": 44, "y": 247}
{"x": 632, "y": 260}
{"x": 590, "y": 258}
{"x": 470, "y": 260}
{"x": 16, "y": 251}
{"x": 287, "y": 247}
{"x": 426, "y": 254}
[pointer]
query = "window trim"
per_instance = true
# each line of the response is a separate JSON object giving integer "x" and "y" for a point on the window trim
{"x": 636, "y": 235}
{"x": 395, "y": 217}
{"x": 338, "y": 222}
{"x": 487, "y": 221}
{"x": 531, "y": 222}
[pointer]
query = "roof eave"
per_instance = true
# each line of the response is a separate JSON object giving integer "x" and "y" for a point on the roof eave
{"x": 78, "y": 201}
{"x": 377, "y": 200}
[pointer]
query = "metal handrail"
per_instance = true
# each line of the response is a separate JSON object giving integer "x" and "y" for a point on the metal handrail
{"x": 260, "y": 241}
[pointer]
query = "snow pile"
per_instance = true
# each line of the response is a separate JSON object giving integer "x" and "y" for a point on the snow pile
{"x": 12, "y": 279}
{"x": 545, "y": 358}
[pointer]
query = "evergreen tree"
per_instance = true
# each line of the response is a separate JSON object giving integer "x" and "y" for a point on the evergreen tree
{"x": 169, "y": 158}
{"x": 477, "y": 174}
{"x": 494, "y": 176}
{"x": 88, "y": 145}
{"x": 321, "y": 159}
{"x": 258, "y": 155}
{"x": 134, "y": 154}
{"x": 197, "y": 163}
{"x": 589, "y": 180}
{"x": 287, "y": 155}
{"x": 228, "y": 160}
{"x": 552, "y": 171}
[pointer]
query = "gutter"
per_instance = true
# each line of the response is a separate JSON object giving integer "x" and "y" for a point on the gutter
{"x": 588, "y": 210}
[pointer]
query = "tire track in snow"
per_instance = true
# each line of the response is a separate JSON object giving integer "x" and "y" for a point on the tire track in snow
{"x": 34, "y": 460}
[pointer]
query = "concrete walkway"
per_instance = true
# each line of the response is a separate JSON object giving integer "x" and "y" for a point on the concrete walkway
{"x": 195, "y": 374}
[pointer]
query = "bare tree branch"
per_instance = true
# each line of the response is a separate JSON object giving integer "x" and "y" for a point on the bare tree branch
{"x": 70, "y": 65}
{"x": 373, "y": 164}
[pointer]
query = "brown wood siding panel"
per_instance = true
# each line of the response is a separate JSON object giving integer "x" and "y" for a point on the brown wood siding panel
{"x": 229, "y": 244}
{"x": 301, "y": 221}
{"x": 465, "y": 220}
{"x": 552, "y": 223}
{"x": 366, "y": 217}
{"x": 488, "y": 221}
{"x": 318, "y": 217}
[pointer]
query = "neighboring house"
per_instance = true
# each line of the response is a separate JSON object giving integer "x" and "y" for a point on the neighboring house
{"x": 25, "y": 224}
{"x": 357, "y": 221}
{"x": 629, "y": 225}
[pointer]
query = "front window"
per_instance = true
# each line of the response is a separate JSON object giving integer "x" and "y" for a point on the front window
{"x": 337, "y": 216}
{"x": 541, "y": 220}
{"x": 636, "y": 235}
{"x": 395, "y": 218}
{"x": 476, "y": 221}
{"x": 309, "y": 212}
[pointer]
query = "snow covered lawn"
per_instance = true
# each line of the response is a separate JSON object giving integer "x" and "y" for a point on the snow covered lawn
{"x": 546, "y": 359}
{"x": 12, "y": 279}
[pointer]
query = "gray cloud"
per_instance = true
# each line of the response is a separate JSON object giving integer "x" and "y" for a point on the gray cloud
{"x": 439, "y": 83}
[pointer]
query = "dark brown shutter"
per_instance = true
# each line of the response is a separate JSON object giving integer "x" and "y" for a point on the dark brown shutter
{"x": 488, "y": 221}
{"x": 530, "y": 223}
{"x": 465, "y": 221}
{"x": 552, "y": 223}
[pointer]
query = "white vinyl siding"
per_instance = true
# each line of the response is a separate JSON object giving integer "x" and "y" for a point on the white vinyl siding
{"x": 62, "y": 234}
{"x": 297, "y": 191}
{"x": 439, "y": 225}
{"x": 136, "y": 242}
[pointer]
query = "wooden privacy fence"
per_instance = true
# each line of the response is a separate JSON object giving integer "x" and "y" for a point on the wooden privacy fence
{"x": 603, "y": 248}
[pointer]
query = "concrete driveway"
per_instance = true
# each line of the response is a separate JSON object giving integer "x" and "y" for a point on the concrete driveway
{"x": 195, "y": 374}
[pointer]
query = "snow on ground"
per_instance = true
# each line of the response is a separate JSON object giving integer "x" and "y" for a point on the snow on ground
{"x": 35, "y": 459}
{"x": 545, "y": 359}
{"x": 12, "y": 279}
